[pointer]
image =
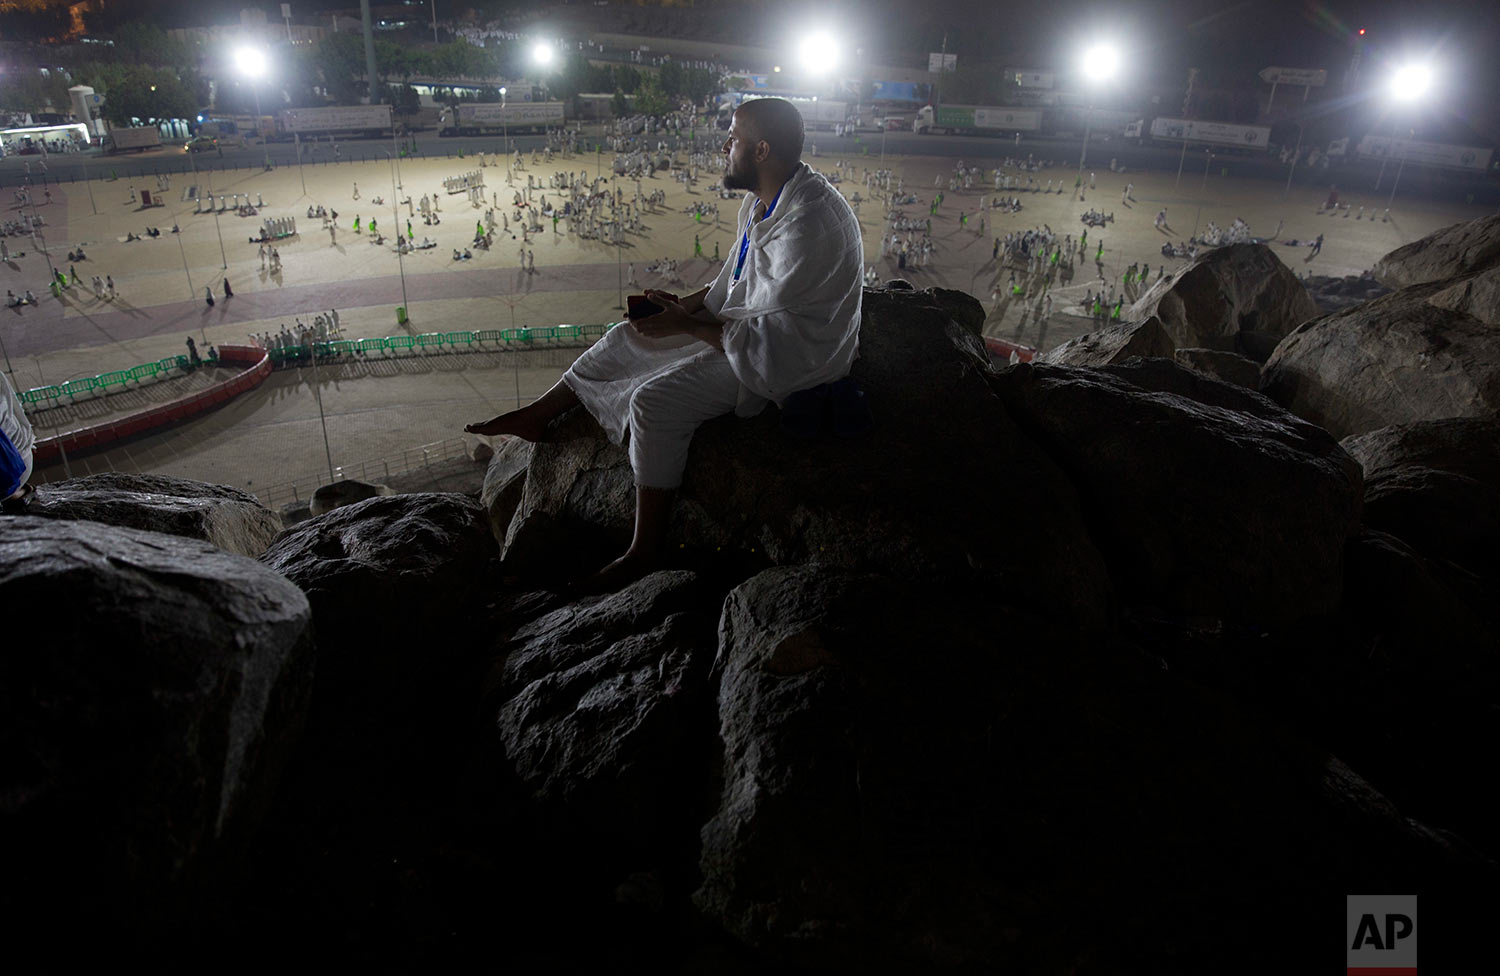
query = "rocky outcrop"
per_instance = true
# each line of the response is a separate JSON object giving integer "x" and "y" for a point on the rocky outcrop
{"x": 1456, "y": 251}
{"x": 1436, "y": 485}
{"x": 231, "y": 519}
{"x": 1336, "y": 294}
{"x": 348, "y": 492}
{"x": 895, "y": 797}
{"x": 1427, "y": 352}
{"x": 936, "y": 490}
{"x": 384, "y": 577}
{"x": 1396, "y": 360}
{"x": 151, "y": 687}
{"x": 1226, "y": 292}
{"x": 1263, "y": 543}
{"x": 605, "y": 710}
{"x": 1230, "y": 367}
{"x": 1114, "y": 344}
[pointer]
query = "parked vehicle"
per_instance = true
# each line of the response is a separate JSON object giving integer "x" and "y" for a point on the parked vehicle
{"x": 976, "y": 119}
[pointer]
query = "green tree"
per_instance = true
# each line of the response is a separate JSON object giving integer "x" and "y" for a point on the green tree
{"x": 403, "y": 99}
{"x": 141, "y": 42}
{"x": 341, "y": 60}
{"x": 29, "y": 90}
{"x": 651, "y": 100}
{"x": 148, "y": 94}
{"x": 618, "y": 106}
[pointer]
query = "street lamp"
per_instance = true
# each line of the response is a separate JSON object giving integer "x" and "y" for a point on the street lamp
{"x": 818, "y": 53}
{"x": 251, "y": 63}
{"x": 1409, "y": 85}
{"x": 1295, "y": 153}
{"x": 1099, "y": 64}
{"x": 505, "y": 134}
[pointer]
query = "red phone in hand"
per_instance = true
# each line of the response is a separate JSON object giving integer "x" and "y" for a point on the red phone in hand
{"x": 640, "y": 307}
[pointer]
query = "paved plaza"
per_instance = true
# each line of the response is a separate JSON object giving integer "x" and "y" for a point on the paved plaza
{"x": 273, "y": 435}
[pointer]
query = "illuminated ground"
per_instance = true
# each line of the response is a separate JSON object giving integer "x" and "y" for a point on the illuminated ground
{"x": 273, "y": 436}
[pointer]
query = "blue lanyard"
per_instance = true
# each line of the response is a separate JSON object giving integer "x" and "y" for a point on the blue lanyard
{"x": 739, "y": 265}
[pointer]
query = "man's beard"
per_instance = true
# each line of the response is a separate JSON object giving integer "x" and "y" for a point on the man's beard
{"x": 738, "y": 181}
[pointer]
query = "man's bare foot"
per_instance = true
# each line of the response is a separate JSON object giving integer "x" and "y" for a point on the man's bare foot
{"x": 521, "y": 423}
{"x": 617, "y": 575}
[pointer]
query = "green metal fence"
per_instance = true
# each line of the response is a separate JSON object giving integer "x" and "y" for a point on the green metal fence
{"x": 427, "y": 342}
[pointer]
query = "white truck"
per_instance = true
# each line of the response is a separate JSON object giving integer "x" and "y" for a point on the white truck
{"x": 1254, "y": 138}
{"x": 976, "y": 119}
{"x": 337, "y": 120}
{"x": 474, "y": 119}
{"x": 135, "y": 137}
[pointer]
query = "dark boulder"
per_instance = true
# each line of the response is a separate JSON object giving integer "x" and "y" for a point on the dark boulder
{"x": 959, "y": 791}
{"x": 945, "y": 485}
{"x": 1394, "y": 360}
{"x": 605, "y": 710}
{"x": 1113, "y": 344}
{"x": 1230, "y": 367}
{"x": 1206, "y": 499}
{"x": 231, "y": 519}
{"x": 1436, "y": 485}
{"x": 151, "y": 690}
{"x": 387, "y": 578}
{"x": 1239, "y": 288}
{"x": 347, "y": 492}
{"x": 1458, "y": 250}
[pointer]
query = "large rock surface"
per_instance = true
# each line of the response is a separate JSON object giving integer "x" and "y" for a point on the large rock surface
{"x": 386, "y": 577}
{"x": 1436, "y": 485}
{"x": 945, "y": 485}
{"x": 1227, "y": 292}
{"x": 604, "y": 709}
{"x": 231, "y": 519}
{"x": 1206, "y": 498}
{"x": 151, "y": 688}
{"x": 1230, "y": 367}
{"x": 950, "y": 790}
{"x": 1395, "y": 360}
{"x": 1113, "y": 344}
{"x": 1459, "y": 250}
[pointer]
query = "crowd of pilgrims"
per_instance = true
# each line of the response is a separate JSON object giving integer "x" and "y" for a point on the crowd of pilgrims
{"x": 323, "y": 328}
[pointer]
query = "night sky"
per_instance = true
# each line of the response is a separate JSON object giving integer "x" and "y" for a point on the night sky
{"x": 1229, "y": 40}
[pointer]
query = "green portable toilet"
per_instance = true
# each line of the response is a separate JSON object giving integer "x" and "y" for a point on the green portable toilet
{"x": 400, "y": 314}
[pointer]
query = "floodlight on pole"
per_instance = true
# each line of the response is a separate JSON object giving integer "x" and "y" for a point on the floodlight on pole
{"x": 542, "y": 53}
{"x": 1099, "y": 63}
{"x": 818, "y": 53}
{"x": 251, "y": 62}
{"x": 1410, "y": 83}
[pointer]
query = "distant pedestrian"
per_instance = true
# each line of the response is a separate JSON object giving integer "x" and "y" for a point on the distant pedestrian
{"x": 109, "y": 286}
{"x": 356, "y": 190}
{"x": 208, "y": 297}
{"x": 228, "y": 292}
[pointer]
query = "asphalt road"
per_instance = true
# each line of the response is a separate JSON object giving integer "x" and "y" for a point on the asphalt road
{"x": 1415, "y": 181}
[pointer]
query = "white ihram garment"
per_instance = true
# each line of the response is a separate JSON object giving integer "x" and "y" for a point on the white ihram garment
{"x": 791, "y": 323}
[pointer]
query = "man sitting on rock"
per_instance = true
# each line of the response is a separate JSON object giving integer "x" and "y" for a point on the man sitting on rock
{"x": 16, "y": 441}
{"x": 782, "y": 316}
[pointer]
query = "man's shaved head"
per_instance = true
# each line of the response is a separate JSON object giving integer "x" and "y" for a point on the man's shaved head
{"x": 779, "y": 123}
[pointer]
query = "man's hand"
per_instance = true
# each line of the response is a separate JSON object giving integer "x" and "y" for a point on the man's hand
{"x": 691, "y": 304}
{"x": 675, "y": 319}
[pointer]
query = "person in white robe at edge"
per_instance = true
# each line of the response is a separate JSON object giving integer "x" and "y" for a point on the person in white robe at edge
{"x": 782, "y": 316}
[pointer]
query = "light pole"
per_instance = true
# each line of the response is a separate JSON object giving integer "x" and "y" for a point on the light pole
{"x": 505, "y": 134}
{"x": 1408, "y": 86}
{"x": 217, "y": 229}
{"x": 1203, "y": 194}
{"x": 396, "y": 216}
{"x": 1099, "y": 65}
{"x": 251, "y": 62}
{"x": 1295, "y": 153}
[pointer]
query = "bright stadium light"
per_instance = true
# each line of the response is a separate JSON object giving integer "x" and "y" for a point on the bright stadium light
{"x": 250, "y": 61}
{"x": 541, "y": 53}
{"x": 1100, "y": 63}
{"x": 818, "y": 53}
{"x": 1411, "y": 82}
